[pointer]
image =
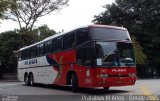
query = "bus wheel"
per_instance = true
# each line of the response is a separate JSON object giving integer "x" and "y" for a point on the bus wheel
{"x": 31, "y": 80}
{"x": 26, "y": 80}
{"x": 106, "y": 88}
{"x": 74, "y": 82}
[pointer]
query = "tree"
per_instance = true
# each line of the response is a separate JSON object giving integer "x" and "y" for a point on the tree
{"x": 14, "y": 40}
{"x": 27, "y": 12}
{"x": 132, "y": 12}
{"x": 8, "y": 43}
{"x": 142, "y": 19}
{"x": 35, "y": 35}
{"x": 140, "y": 56}
{"x": 43, "y": 32}
{"x": 115, "y": 15}
{"x": 4, "y": 4}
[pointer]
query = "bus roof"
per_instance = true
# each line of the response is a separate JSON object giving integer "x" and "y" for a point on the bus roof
{"x": 59, "y": 34}
{"x": 107, "y": 26}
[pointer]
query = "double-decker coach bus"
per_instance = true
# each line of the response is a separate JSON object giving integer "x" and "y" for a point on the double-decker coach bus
{"x": 90, "y": 56}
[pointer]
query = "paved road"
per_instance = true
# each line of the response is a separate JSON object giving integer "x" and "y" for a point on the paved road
{"x": 17, "y": 91}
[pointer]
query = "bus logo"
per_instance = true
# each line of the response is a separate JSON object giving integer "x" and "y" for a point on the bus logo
{"x": 118, "y": 70}
{"x": 30, "y": 62}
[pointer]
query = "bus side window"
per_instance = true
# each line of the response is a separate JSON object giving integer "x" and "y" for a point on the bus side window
{"x": 48, "y": 47}
{"x": 22, "y": 54}
{"x": 69, "y": 40}
{"x": 85, "y": 55}
{"x": 40, "y": 50}
{"x": 27, "y": 53}
{"x": 59, "y": 43}
{"x": 33, "y": 52}
{"x": 81, "y": 36}
{"x": 54, "y": 45}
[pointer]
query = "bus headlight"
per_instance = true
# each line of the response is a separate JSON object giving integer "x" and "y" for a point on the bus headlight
{"x": 132, "y": 74}
{"x": 102, "y": 75}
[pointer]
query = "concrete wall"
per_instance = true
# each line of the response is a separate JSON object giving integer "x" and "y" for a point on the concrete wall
{"x": 9, "y": 76}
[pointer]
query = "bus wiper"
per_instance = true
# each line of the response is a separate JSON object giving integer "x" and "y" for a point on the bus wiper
{"x": 116, "y": 55}
{"x": 109, "y": 54}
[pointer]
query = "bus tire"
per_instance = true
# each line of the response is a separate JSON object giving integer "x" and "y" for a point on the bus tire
{"x": 106, "y": 88}
{"x": 26, "y": 79}
{"x": 74, "y": 83}
{"x": 31, "y": 80}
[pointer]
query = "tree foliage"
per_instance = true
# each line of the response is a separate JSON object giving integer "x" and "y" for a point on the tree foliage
{"x": 43, "y": 32}
{"x": 140, "y": 56}
{"x": 142, "y": 19}
{"x": 13, "y": 40}
{"x": 27, "y": 12}
{"x": 8, "y": 43}
{"x": 4, "y": 4}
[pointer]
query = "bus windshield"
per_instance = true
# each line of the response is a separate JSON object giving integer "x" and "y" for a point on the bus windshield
{"x": 114, "y": 54}
{"x": 109, "y": 34}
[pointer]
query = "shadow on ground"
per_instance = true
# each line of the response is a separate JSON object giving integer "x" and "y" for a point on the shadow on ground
{"x": 97, "y": 91}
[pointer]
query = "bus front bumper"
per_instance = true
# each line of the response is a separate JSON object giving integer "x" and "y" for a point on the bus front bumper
{"x": 114, "y": 81}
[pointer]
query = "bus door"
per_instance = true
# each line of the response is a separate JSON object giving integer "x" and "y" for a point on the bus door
{"x": 85, "y": 62}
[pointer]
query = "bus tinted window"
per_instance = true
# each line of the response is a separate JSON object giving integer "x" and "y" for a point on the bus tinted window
{"x": 69, "y": 40}
{"x": 40, "y": 50}
{"x": 23, "y": 54}
{"x": 82, "y": 36}
{"x": 54, "y": 45}
{"x": 26, "y": 54}
{"x": 33, "y": 51}
{"x": 59, "y": 43}
{"x": 109, "y": 34}
{"x": 48, "y": 47}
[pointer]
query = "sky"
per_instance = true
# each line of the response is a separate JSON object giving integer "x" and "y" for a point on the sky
{"x": 78, "y": 13}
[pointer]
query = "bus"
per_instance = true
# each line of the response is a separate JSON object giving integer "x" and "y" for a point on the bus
{"x": 90, "y": 56}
